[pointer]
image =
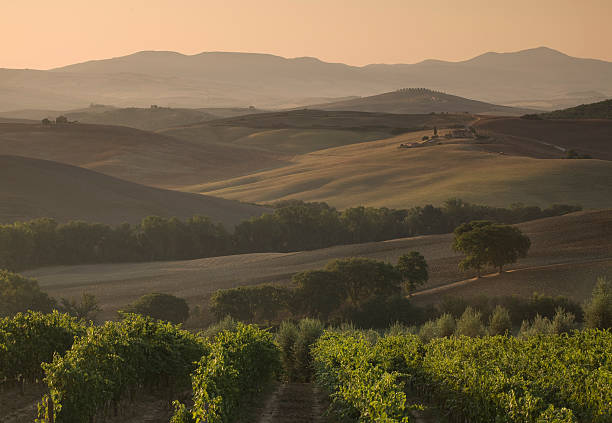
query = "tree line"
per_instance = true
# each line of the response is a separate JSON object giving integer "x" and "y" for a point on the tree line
{"x": 292, "y": 226}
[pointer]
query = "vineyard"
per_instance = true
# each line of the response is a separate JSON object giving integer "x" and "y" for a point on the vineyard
{"x": 557, "y": 378}
{"x": 96, "y": 373}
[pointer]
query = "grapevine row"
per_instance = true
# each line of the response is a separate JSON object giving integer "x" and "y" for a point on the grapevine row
{"x": 112, "y": 362}
{"x": 27, "y": 340}
{"x": 240, "y": 365}
{"x": 554, "y": 378}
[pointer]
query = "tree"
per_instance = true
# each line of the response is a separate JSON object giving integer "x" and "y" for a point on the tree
{"x": 160, "y": 306}
{"x": 505, "y": 245}
{"x": 319, "y": 293}
{"x": 261, "y": 303}
{"x": 363, "y": 278}
{"x": 485, "y": 243}
{"x": 471, "y": 240}
{"x": 413, "y": 269}
{"x": 20, "y": 294}
{"x": 86, "y": 309}
{"x": 46, "y": 122}
{"x": 598, "y": 310}
{"x": 61, "y": 119}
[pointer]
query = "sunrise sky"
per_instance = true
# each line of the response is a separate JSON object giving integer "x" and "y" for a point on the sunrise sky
{"x": 39, "y": 34}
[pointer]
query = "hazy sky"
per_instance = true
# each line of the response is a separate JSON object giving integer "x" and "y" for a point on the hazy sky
{"x": 44, "y": 34}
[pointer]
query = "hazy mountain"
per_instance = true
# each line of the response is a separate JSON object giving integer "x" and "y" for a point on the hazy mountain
{"x": 240, "y": 79}
{"x": 419, "y": 100}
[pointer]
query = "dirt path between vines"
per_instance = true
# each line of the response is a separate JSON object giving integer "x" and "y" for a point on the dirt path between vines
{"x": 294, "y": 403}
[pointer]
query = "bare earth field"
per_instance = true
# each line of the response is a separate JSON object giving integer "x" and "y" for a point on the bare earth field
{"x": 378, "y": 173}
{"x": 566, "y": 241}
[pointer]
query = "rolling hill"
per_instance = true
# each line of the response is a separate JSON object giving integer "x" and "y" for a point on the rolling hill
{"x": 559, "y": 246}
{"x": 32, "y": 188}
{"x": 550, "y": 138}
{"x": 222, "y": 79}
{"x": 379, "y": 173}
{"x": 599, "y": 110}
{"x": 304, "y": 131}
{"x": 148, "y": 119}
{"x": 133, "y": 155}
{"x": 420, "y": 101}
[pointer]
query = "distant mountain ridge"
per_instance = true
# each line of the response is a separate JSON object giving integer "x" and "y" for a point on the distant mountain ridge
{"x": 225, "y": 79}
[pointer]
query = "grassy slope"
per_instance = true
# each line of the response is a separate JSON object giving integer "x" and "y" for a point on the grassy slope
{"x": 304, "y": 131}
{"x": 131, "y": 154}
{"x": 285, "y": 141}
{"x": 378, "y": 173}
{"x": 31, "y": 188}
{"x": 568, "y": 239}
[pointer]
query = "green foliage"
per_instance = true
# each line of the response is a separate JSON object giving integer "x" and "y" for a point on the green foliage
{"x": 364, "y": 278}
{"x": 414, "y": 269}
{"x": 428, "y": 331}
{"x": 361, "y": 388}
{"x": 381, "y": 312}
{"x": 553, "y": 378}
{"x": 598, "y": 310}
{"x": 240, "y": 365}
{"x": 118, "y": 359}
{"x": 286, "y": 337}
{"x": 445, "y": 326}
{"x": 500, "y": 322}
{"x": 538, "y": 379}
{"x": 309, "y": 330}
{"x": 226, "y": 324}
{"x": 20, "y": 294}
{"x": 485, "y": 243}
{"x": 160, "y": 306}
{"x": 85, "y": 309}
{"x": 260, "y": 303}
{"x": 293, "y": 226}
{"x": 29, "y": 339}
{"x": 318, "y": 293}
{"x": 470, "y": 324}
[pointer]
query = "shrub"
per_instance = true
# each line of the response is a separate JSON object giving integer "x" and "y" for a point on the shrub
{"x": 226, "y": 324}
{"x": 20, "y": 294}
{"x": 286, "y": 338}
{"x": 445, "y": 325}
{"x": 160, "y": 306}
{"x": 500, "y": 322}
{"x": 470, "y": 324}
{"x": 598, "y": 310}
{"x": 381, "y": 312}
{"x": 562, "y": 322}
{"x": 428, "y": 331}
{"x": 309, "y": 330}
{"x": 539, "y": 326}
